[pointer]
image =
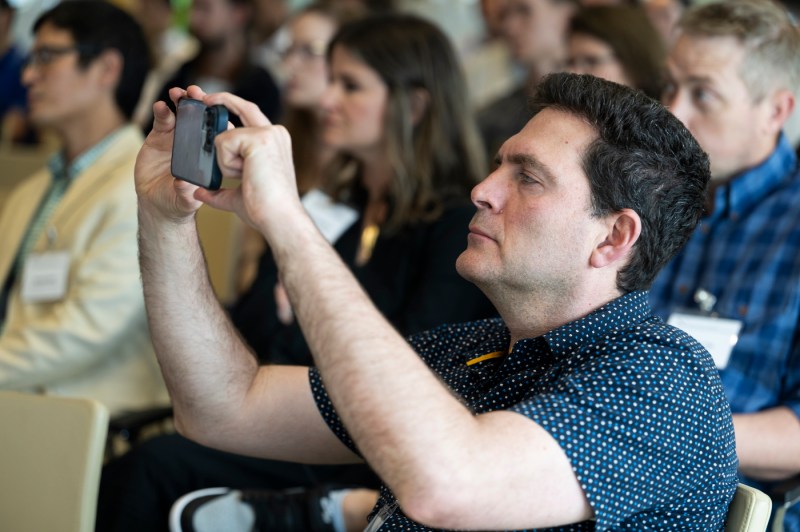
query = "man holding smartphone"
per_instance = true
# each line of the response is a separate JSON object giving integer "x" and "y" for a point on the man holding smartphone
{"x": 71, "y": 310}
{"x": 578, "y": 398}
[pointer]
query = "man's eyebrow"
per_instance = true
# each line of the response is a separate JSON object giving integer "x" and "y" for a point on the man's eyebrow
{"x": 702, "y": 79}
{"x": 529, "y": 162}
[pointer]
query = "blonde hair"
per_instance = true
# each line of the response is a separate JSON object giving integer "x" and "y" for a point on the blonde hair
{"x": 764, "y": 28}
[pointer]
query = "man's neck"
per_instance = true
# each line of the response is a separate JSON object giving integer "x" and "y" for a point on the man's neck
{"x": 531, "y": 317}
{"x": 80, "y": 135}
{"x": 758, "y": 158}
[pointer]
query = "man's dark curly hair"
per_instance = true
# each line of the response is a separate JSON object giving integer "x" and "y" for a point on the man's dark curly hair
{"x": 644, "y": 159}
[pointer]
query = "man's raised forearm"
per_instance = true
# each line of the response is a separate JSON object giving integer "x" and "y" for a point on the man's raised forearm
{"x": 372, "y": 375}
{"x": 205, "y": 364}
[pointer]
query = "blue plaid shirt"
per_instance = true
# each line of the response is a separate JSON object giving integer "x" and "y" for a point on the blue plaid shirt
{"x": 747, "y": 254}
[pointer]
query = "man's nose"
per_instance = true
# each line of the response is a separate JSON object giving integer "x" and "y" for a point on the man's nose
{"x": 679, "y": 105}
{"x": 489, "y": 193}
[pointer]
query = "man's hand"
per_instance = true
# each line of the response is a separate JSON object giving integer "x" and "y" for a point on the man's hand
{"x": 159, "y": 192}
{"x": 260, "y": 154}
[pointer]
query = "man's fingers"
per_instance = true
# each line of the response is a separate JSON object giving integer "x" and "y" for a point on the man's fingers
{"x": 195, "y": 92}
{"x": 175, "y": 94}
{"x": 225, "y": 199}
{"x": 248, "y": 112}
{"x": 283, "y": 306}
{"x": 163, "y": 119}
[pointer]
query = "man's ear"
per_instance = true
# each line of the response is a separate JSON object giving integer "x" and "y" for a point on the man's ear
{"x": 109, "y": 64}
{"x": 623, "y": 231}
{"x": 420, "y": 100}
{"x": 781, "y": 105}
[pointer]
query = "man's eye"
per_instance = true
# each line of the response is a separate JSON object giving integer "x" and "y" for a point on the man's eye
{"x": 701, "y": 95}
{"x": 668, "y": 91}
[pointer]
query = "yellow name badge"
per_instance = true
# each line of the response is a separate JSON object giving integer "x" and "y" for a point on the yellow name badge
{"x": 44, "y": 277}
{"x": 717, "y": 335}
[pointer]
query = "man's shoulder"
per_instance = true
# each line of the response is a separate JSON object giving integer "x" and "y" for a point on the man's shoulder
{"x": 775, "y": 181}
{"x": 651, "y": 335}
{"x": 34, "y": 184}
{"x": 627, "y": 333}
{"x": 790, "y": 187}
{"x": 109, "y": 178}
{"x": 773, "y": 213}
{"x": 119, "y": 156}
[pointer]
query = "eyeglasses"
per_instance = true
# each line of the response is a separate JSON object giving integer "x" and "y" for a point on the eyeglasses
{"x": 48, "y": 54}
{"x": 306, "y": 52}
{"x": 588, "y": 62}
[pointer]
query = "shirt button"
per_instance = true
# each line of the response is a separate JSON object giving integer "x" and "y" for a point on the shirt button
{"x": 742, "y": 310}
{"x": 682, "y": 289}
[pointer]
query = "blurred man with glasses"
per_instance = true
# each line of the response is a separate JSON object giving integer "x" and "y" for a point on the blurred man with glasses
{"x": 71, "y": 307}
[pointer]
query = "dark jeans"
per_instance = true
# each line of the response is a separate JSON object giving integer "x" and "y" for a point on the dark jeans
{"x": 138, "y": 489}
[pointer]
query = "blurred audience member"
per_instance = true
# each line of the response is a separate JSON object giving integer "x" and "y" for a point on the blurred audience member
{"x": 492, "y": 14}
{"x": 170, "y": 47}
{"x": 306, "y": 71}
{"x": 223, "y": 61}
{"x": 617, "y": 43}
{"x": 489, "y": 67}
{"x": 268, "y": 35}
{"x": 72, "y": 315}
{"x": 664, "y": 15}
{"x": 733, "y": 75}
{"x": 13, "y": 107}
{"x": 536, "y": 33}
{"x": 306, "y": 78}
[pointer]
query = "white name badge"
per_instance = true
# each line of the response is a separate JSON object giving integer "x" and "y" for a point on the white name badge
{"x": 332, "y": 218}
{"x": 717, "y": 335}
{"x": 44, "y": 277}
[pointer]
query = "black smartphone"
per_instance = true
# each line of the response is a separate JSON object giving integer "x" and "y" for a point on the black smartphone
{"x": 194, "y": 157}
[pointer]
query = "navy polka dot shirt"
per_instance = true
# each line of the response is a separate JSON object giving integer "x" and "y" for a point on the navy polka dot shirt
{"x": 636, "y": 404}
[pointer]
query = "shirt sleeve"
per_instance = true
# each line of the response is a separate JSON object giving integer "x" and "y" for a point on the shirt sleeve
{"x": 327, "y": 410}
{"x": 640, "y": 444}
{"x": 790, "y": 397}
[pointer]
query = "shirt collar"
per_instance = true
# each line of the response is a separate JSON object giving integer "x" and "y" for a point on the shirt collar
{"x": 744, "y": 191}
{"x": 625, "y": 311}
{"x": 58, "y": 165}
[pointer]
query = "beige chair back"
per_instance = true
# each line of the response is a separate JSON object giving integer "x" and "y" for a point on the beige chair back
{"x": 749, "y": 511}
{"x": 51, "y": 453}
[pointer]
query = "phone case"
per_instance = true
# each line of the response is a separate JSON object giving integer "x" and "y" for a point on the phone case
{"x": 193, "y": 153}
